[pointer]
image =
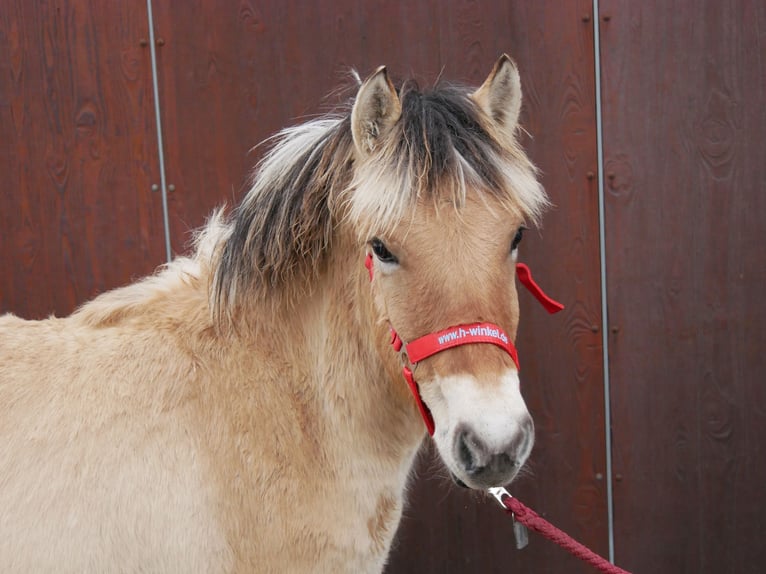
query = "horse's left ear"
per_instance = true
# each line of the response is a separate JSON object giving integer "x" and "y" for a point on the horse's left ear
{"x": 376, "y": 109}
{"x": 500, "y": 95}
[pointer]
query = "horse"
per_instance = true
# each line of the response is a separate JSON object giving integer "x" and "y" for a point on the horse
{"x": 243, "y": 409}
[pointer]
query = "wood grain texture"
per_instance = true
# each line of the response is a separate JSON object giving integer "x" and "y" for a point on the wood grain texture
{"x": 233, "y": 74}
{"x": 77, "y": 153}
{"x": 684, "y": 124}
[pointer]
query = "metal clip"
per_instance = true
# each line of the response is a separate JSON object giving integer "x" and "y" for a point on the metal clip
{"x": 520, "y": 532}
{"x": 499, "y": 493}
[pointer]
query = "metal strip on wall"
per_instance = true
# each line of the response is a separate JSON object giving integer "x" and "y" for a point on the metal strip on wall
{"x": 160, "y": 145}
{"x": 604, "y": 306}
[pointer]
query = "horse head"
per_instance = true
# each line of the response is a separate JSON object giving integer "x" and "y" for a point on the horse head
{"x": 440, "y": 197}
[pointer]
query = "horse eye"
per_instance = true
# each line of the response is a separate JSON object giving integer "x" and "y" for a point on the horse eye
{"x": 517, "y": 238}
{"x": 381, "y": 251}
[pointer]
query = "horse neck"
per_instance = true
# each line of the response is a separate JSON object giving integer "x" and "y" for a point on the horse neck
{"x": 355, "y": 372}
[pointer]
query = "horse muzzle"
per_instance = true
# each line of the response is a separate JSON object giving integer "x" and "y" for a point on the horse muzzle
{"x": 482, "y": 465}
{"x": 484, "y": 432}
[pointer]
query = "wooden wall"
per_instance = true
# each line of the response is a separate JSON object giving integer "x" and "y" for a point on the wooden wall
{"x": 683, "y": 113}
{"x": 78, "y": 153}
{"x": 685, "y": 152}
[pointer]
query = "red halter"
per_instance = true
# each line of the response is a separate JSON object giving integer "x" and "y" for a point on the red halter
{"x": 433, "y": 343}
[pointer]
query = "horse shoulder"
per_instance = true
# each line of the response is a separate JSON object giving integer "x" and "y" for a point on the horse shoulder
{"x": 98, "y": 427}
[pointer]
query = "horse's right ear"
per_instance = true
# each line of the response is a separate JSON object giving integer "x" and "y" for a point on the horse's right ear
{"x": 376, "y": 109}
{"x": 500, "y": 95}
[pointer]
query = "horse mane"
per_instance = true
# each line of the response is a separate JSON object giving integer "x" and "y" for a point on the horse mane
{"x": 312, "y": 180}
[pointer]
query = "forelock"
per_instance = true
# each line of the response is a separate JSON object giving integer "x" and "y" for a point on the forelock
{"x": 441, "y": 149}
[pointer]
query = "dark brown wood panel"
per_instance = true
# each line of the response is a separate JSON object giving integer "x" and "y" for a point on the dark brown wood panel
{"x": 684, "y": 126}
{"x": 77, "y": 153}
{"x": 232, "y": 75}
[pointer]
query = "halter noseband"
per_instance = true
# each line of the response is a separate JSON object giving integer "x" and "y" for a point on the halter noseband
{"x": 455, "y": 336}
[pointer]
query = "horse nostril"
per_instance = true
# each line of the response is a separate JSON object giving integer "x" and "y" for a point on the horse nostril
{"x": 465, "y": 454}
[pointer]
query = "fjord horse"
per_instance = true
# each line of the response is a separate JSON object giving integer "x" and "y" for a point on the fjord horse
{"x": 243, "y": 410}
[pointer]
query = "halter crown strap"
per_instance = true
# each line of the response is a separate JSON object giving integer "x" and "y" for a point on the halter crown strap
{"x": 368, "y": 264}
{"x": 525, "y": 278}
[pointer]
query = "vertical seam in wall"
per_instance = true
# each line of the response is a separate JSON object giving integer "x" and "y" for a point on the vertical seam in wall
{"x": 160, "y": 145}
{"x": 604, "y": 306}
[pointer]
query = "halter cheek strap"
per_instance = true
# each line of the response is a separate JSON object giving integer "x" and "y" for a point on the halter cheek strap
{"x": 473, "y": 333}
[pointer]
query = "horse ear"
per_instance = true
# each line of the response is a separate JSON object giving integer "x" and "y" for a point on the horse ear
{"x": 376, "y": 109}
{"x": 500, "y": 95}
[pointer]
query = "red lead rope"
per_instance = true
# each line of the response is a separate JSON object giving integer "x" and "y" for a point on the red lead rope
{"x": 534, "y": 521}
